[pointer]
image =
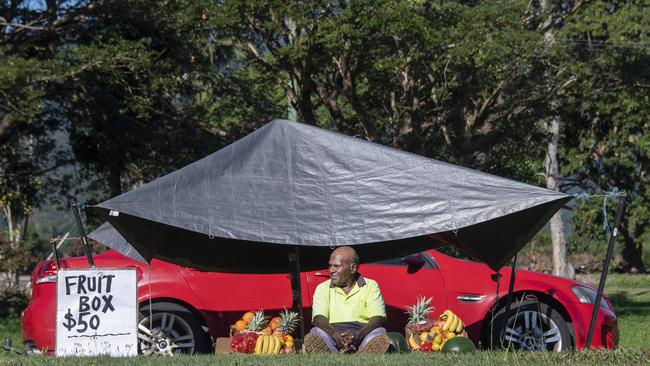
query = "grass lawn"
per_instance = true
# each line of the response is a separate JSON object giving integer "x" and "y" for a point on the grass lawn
{"x": 481, "y": 358}
{"x": 10, "y": 328}
{"x": 630, "y": 295}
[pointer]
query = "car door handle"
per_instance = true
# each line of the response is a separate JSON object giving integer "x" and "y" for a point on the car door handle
{"x": 321, "y": 274}
{"x": 470, "y": 298}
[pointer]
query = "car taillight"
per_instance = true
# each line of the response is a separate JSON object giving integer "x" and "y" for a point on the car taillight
{"x": 48, "y": 271}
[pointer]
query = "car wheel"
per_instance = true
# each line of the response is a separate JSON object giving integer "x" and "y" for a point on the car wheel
{"x": 531, "y": 326}
{"x": 169, "y": 329}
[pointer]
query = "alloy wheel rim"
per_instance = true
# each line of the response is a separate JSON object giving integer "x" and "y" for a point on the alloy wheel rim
{"x": 533, "y": 331}
{"x": 169, "y": 335}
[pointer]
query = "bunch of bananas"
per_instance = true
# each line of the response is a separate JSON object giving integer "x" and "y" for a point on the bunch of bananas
{"x": 451, "y": 322}
{"x": 414, "y": 341}
{"x": 268, "y": 345}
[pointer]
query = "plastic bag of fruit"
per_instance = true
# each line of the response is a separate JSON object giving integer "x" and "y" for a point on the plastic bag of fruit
{"x": 427, "y": 334}
{"x": 255, "y": 334}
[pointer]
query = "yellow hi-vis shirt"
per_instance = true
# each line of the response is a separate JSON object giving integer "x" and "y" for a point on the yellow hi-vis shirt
{"x": 363, "y": 302}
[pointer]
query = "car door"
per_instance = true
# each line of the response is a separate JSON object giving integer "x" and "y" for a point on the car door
{"x": 227, "y": 296}
{"x": 400, "y": 285}
{"x": 471, "y": 290}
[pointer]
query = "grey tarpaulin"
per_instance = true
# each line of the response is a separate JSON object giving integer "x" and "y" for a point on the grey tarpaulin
{"x": 110, "y": 237}
{"x": 246, "y": 206}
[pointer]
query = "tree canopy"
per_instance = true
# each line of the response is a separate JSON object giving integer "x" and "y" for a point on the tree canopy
{"x": 102, "y": 96}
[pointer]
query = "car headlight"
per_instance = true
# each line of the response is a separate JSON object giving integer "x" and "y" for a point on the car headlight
{"x": 587, "y": 295}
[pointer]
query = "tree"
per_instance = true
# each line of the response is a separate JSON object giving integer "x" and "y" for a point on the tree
{"x": 133, "y": 88}
{"x": 140, "y": 88}
{"x": 480, "y": 84}
{"x": 430, "y": 78}
{"x": 555, "y": 15}
{"x": 607, "y": 109}
{"x": 28, "y": 42}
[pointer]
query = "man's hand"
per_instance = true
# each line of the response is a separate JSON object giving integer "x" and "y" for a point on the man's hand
{"x": 354, "y": 334}
{"x": 343, "y": 339}
{"x": 340, "y": 339}
{"x": 348, "y": 342}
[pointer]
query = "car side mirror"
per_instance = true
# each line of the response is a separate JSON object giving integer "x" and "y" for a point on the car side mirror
{"x": 414, "y": 262}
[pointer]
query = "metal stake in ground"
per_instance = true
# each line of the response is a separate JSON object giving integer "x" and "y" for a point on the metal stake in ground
{"x": 82, "y": 232}
{"x": 608, "y": 258}
{"x": 296, "y": 290}
{"x": 511, "y": 287}
{"x": 54, "y": 241}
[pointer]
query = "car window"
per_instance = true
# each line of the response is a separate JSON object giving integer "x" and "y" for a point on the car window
{"x": 399, "y": 262}
{"x": 452, "y": 251}
{"x": 74, "y": 247}
{"x": 390, "y": 262}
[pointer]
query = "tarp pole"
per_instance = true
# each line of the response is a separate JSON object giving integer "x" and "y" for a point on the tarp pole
{"x": 603, "y": 275}
{"x": 82, "y": 232}
{"x": 511, "y": 287}
{"x": 296, "y": 290}
{"x": 54, "y": 243}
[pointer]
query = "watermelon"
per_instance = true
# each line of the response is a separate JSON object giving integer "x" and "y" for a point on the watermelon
{"x": 398, "y": 342}
{"x": 458, "y": 344}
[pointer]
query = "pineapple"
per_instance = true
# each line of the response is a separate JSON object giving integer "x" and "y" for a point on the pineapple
{"x": 419, "y": 315}
{"x": 257, "y": 322}
{"x": 289, "y": 320}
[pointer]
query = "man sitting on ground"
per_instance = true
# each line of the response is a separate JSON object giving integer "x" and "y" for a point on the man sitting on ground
{"x": 348, "y": 310}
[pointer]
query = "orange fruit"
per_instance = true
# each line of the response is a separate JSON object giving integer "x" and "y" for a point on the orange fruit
{"x": 247, "y": 316}
{"x": 288, "y": 338}
{"x": 240, "y": 325}
{"x": 274, "y": 323}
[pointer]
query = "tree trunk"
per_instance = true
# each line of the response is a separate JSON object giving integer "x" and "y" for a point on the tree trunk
{"x": 15, "y": 233}
{"x": 114, "y": 181}
{"x": 305, "y": 105}
{"x": 561, "y": 265}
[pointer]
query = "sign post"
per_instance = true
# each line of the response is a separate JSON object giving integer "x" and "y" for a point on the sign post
{"x": 96, "y": 312}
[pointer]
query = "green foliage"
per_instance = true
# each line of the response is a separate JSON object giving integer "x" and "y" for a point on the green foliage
{"x": 130, "y": 90}
{"x": 12, "y": 303}
{"x": 10, "y": 329}
{"x": 439, "y": 79}
{"x": 12, "y": 258}
{"x": 607, "y": 134}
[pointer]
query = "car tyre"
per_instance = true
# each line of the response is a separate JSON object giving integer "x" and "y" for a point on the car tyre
{"x": 530, "y": 326}
{"x": 169, "y": 329}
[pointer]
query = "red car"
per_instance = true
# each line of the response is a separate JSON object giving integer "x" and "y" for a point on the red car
{"x": 548, "y": 313}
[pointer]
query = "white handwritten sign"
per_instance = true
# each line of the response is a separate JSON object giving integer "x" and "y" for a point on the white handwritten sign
{"x": 96, "y": 312}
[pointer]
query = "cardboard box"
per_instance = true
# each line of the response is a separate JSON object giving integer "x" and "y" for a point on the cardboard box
{"x": 222, "y": 345}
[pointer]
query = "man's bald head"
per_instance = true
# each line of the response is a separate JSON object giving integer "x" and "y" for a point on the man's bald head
{"x": 343, "y": 266}
{"x": 347, "y": 253}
